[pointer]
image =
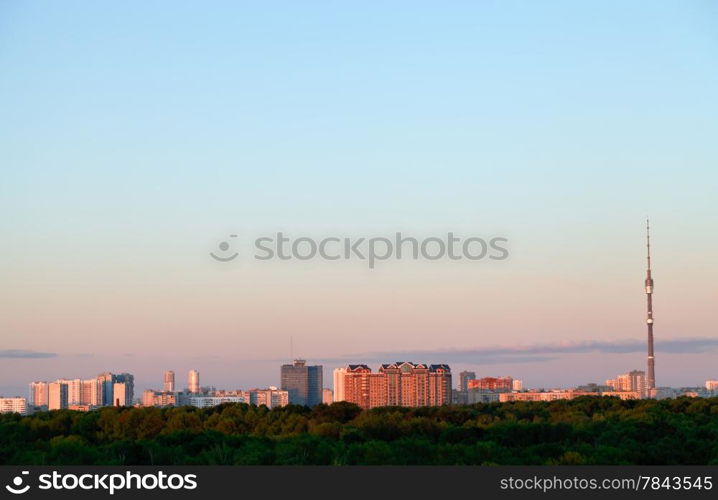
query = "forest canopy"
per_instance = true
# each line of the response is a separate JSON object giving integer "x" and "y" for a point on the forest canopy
{"x": 586, "y": 430}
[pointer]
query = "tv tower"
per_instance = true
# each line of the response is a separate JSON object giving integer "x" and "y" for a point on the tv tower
{"x": 651, "y": 379}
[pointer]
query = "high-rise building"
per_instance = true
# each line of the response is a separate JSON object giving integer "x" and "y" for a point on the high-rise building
{"x": 38, "y": 394}
{"x": 356, "y": 385}
{"x": 304, "y": 383}
{"x": 57, "y": 396}
{"x": 106, "y": 382}
{"x": 439, "y": 385}
{"x": 169, "y": 384}
{"x": 464, "y": 378}
{"x": 339, "y": 383}
{"x": 13, "y": 405}
{"x": 712, "y": 385}
{"x": 74, "y": 390}
{"x": 398, "y": 384}
{"x": 122, "y": 393}
{"x": 517, "y": 385}
{"x": 129, "y": 391}
{"x": 91, "y": 392}
{"x": 193, "y": 382}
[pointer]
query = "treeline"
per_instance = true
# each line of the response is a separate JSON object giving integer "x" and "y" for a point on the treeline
{"x": 585, "y": 430}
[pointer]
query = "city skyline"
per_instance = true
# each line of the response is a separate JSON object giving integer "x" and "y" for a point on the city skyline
{"x": 288, "y": 373}
{"x": 135, "y": 143}
{"x": 401, "y": 383}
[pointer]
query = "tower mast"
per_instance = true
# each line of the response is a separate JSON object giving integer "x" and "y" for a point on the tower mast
{"x": 651, "y": 378}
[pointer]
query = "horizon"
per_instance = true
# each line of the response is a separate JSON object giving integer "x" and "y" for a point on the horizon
{"x": 139, "y": 137}
{"x": 674, "y": 349}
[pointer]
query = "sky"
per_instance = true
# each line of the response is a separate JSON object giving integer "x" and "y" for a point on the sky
{"x": 137, "y": 136}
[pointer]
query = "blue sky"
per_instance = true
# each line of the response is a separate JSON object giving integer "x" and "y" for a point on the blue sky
{"x": 134, "y": 136}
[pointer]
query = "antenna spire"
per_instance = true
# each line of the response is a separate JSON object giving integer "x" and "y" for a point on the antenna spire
{"x": 651, "y": 378}
{"x": 648, "y": 242}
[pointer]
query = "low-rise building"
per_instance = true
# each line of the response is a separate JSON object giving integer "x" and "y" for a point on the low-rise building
{"x": 13, "y": 405}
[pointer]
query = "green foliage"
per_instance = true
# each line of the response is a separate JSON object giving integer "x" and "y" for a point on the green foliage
{"x": 585, "y": 430}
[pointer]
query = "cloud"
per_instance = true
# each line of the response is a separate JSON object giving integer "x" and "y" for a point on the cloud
{"x": 25, "y": 354}
{"x": 531, "y": 353}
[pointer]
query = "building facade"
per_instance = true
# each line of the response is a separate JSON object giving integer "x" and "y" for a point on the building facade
{"x": 493, "y": 384}
{"x": 121, "y": 393}
{"x": 303, "y": 383}
{"x": 90, "y": 392}
{"x": 38, "y": 394}
{"x": 204, "y": 401}
{"x": 57, "y": 396}
{"x": 169, "y": 381}
{"x": 193, "y": 381}
{"x": 271, "y": 398}
{"x": 398, "y": 384}
{"x": 106, "y": 382}
{"x": 13, "y": 405}
{"x": 161, "y": 399}
{"x": 558, "y": 395}
{"x": 633, "y": 381}
{"x": 339, "y": 383}
{"x": 464, "y": 378}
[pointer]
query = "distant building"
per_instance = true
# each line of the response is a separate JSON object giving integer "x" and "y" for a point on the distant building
{"x": 665, "y": 393}
{"x": 459, "y": 397}
{"x": 79, "y": 407}
{"x": 74, "y": 389}
{"x": 13, "y": 405}
{"x": 339, "y": 383}
{"x": 106, "y": 382}
{"x": 464, "y": 378}
{"x": 90, "y": 392}
{"x": 494, "y": 384}
{"x": 193, "y": 381}
{"x": 204, "y": 401}
{"x": 129, "y": 389}
{"x": 558, "y": 395}
{"x": 327, "y": 396}
{"x": 633, "y": 381}
{"x": 398, "y": 384}
{"x": 712, "y": 385}
{"x": 38, "y": 394}
{"x": 148, "y": 397}
{"x": 271, "y": 398}
{"x": 161, "y": 399}
{"x": 57, "y": 396}
{"x": 478, "y": 396}
{"x": 622, "y": 394}
{"x": 517, "y": 385}
{"x": 304, "y": 383}
{"x": 356, "y": 386}
{"x": 169, "y": 382}
{"x": 120, "y": 392}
